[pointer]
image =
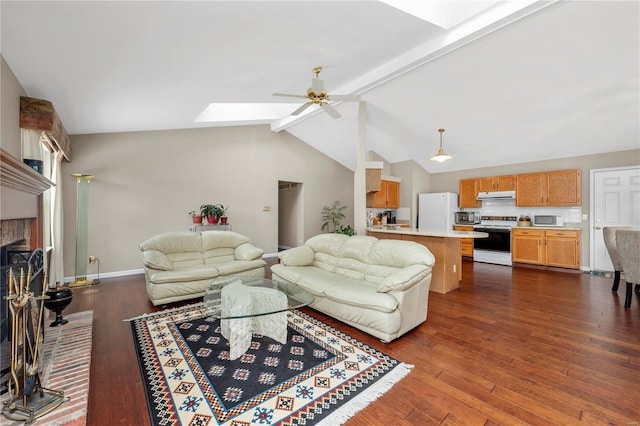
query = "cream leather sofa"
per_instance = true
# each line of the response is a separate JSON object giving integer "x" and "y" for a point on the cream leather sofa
{"x": 181, "y": 265}
{"x": 378, "y": 286}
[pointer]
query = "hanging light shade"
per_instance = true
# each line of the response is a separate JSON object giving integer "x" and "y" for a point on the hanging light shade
{"x": 441, "y": 156}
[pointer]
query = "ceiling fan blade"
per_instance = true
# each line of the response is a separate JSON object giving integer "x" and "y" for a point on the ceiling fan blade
{"x": 302, "y": 108}
{"x": 289, "y": 95}
{"x": 317, "y": 85}
{"x": 351, "y": 98}
{"x": 331, "y": 110}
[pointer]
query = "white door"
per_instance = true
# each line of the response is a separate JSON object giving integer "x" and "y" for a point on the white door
{"x": 615, "y": 201}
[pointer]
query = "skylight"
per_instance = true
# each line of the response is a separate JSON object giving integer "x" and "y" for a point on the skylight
{"x": 445, "y": 14}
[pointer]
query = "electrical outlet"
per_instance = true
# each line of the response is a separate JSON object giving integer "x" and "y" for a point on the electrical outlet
{"x": 93, "y": 259}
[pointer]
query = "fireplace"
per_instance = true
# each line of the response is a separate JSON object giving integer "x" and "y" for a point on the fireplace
{"x": 21, "y": 232}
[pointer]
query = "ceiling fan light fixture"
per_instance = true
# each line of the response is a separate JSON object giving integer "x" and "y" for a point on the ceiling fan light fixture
{"x": 441, "y": 156}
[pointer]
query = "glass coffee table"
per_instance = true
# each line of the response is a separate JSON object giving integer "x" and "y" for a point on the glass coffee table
{"x": 247, "y": 306}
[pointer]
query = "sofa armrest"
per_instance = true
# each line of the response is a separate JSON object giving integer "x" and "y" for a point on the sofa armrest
{"x": 155, "y": 259}
{"x": 297, "y": 256}
{"x": 247, "y": 251}
{"x": 404, "y": 278}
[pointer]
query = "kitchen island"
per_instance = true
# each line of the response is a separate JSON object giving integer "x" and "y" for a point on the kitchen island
{"x": 444, "y": 245}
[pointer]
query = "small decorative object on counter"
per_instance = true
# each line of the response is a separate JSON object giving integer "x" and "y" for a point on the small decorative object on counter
{"x": 524, "y": 221}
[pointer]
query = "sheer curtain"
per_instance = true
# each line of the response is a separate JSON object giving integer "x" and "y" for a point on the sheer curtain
{"x": 37, "y": 146}
{"x": 56, "y": 271}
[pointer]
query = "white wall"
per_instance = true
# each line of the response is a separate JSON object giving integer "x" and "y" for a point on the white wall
{"x": 146, "y": 182}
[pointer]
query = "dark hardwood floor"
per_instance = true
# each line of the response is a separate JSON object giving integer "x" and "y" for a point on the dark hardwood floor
{"x": 511, "y": 346}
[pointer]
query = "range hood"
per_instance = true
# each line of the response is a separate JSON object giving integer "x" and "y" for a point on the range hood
{"x": 497, "y": 195}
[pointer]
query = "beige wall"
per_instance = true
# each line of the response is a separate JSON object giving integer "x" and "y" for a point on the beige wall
{"x": 10, "y": 92}
{"x": 146, "y": 182}
{"x": 441, "y": 182}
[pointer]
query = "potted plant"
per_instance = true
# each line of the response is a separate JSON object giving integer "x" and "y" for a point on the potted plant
{"x": 332, "y": 217}
{"x": 196, "y": 216}
{"x": 223, "y": 214}
{"x": 212, "y": 212}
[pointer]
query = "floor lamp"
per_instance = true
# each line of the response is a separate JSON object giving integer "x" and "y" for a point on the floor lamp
{"x": 82, "y": 228}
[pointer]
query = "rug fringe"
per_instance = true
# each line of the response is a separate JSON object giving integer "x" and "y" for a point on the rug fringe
{"x": 344, "y": 413}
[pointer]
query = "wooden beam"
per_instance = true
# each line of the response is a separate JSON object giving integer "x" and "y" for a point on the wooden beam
{"x": 38, "y": 114}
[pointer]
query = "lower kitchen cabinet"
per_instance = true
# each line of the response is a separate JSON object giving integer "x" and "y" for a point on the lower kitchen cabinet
{"x": 559, "y": 248}
{"x": 466, "y": 244}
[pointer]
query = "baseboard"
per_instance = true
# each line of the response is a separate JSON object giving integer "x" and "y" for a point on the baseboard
{"x": 107, "y": 275}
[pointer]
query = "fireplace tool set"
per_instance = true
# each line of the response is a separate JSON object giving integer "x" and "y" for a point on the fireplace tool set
{"x": 27, "y": 399}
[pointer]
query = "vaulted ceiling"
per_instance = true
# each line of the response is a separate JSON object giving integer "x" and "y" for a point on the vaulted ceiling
{"x": 510, "y": 81}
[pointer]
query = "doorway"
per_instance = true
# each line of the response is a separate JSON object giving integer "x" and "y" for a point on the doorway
{"x": 290, "y": 214}
{"x": 615, "y": 201}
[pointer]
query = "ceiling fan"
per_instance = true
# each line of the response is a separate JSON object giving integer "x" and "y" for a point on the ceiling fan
{"x": 316, "y": 95}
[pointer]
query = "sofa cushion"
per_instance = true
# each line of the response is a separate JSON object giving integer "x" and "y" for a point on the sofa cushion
{"x": 297, "y": 256}
{"x": 238, "y": 266}
{"x": 404, "y": 278}
{"x": 353, "y": 256}
{"x": 247, "y": 251}
{"x": 400, "y": 253}
{"x": 155, "y": 260}
{"x": 360, "y": 294}
{"x": 219, "y": 246}
{"x": 326, "y": 248}
{"x": 198, "y": 272}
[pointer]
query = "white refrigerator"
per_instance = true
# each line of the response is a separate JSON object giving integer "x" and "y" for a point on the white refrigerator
{"x": 437, "y": 210}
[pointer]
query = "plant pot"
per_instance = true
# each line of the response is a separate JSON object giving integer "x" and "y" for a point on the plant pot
{"x": 212, "y": 219}
{"x": 197, "y": 219}
{"x": 223, "y": 220}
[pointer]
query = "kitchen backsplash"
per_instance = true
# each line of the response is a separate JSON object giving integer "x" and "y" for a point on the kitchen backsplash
{"x": 508, "y": 208}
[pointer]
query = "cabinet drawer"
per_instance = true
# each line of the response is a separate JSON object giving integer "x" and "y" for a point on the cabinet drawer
{"x": 529, "y": 232}
{"x": 559, "y": 233}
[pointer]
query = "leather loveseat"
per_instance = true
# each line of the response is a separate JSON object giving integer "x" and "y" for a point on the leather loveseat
{"x": 182, "y": 265}
{"x": 378, "y": 286}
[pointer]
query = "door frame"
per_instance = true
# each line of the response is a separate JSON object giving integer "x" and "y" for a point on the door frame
{"x": 592, "y": 208}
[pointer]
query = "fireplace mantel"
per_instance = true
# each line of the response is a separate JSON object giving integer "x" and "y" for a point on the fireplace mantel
{"x": 17, "y": 175}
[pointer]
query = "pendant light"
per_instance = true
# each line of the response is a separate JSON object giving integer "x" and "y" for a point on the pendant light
{"x": 441, "y": 156}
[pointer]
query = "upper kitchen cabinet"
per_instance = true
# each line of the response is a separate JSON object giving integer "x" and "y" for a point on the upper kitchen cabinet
{"x": 564, "y": 188}
{"x": 388, "y": 197}
{"x": 373, "y": 178}
{"x": 468, "y": 193}
{"x": 531, "y": 189}
{"x": 496, "y": 183}
{"x": 560, "y": 188}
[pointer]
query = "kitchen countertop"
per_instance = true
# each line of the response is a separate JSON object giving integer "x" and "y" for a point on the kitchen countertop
{"x": 427, "y": 232}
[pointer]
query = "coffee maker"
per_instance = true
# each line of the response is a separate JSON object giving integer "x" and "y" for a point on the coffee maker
{"x": 391, "y": 216}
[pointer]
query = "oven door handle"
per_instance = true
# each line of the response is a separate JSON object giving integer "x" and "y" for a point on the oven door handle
{"x": 493, "y": 230}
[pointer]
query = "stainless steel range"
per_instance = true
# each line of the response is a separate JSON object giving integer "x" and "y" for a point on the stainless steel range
{"x": 497, "y": 247}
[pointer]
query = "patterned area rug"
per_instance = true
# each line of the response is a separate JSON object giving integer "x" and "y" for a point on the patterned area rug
{"x": 320, "y": 376}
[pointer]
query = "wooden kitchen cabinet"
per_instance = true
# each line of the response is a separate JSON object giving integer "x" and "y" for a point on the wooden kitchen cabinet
{"x": 466, "y": 244}
{"x": 468, "y": 193}
{"x": 558, "y": 248}
{"x": 496, "y": 183}
{"x": 527, "y": 246}
{"x": 563, "y": 249}
{"x": 531, "y": 189}
{"x": 559, "y": 188}
{"x": 373, "y": 178}
{"x": 387, "y": 198}
{"x": 564, "y": 188}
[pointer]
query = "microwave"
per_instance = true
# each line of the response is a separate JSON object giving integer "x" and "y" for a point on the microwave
{"x": 548, "y": 220}
{"x": 467, "y": 218}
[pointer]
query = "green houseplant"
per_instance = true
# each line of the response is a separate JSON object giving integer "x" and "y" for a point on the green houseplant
{"x": 332, "y": 219}
{"x": 223, "y": 214}
{"x": 212, "y": 212}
